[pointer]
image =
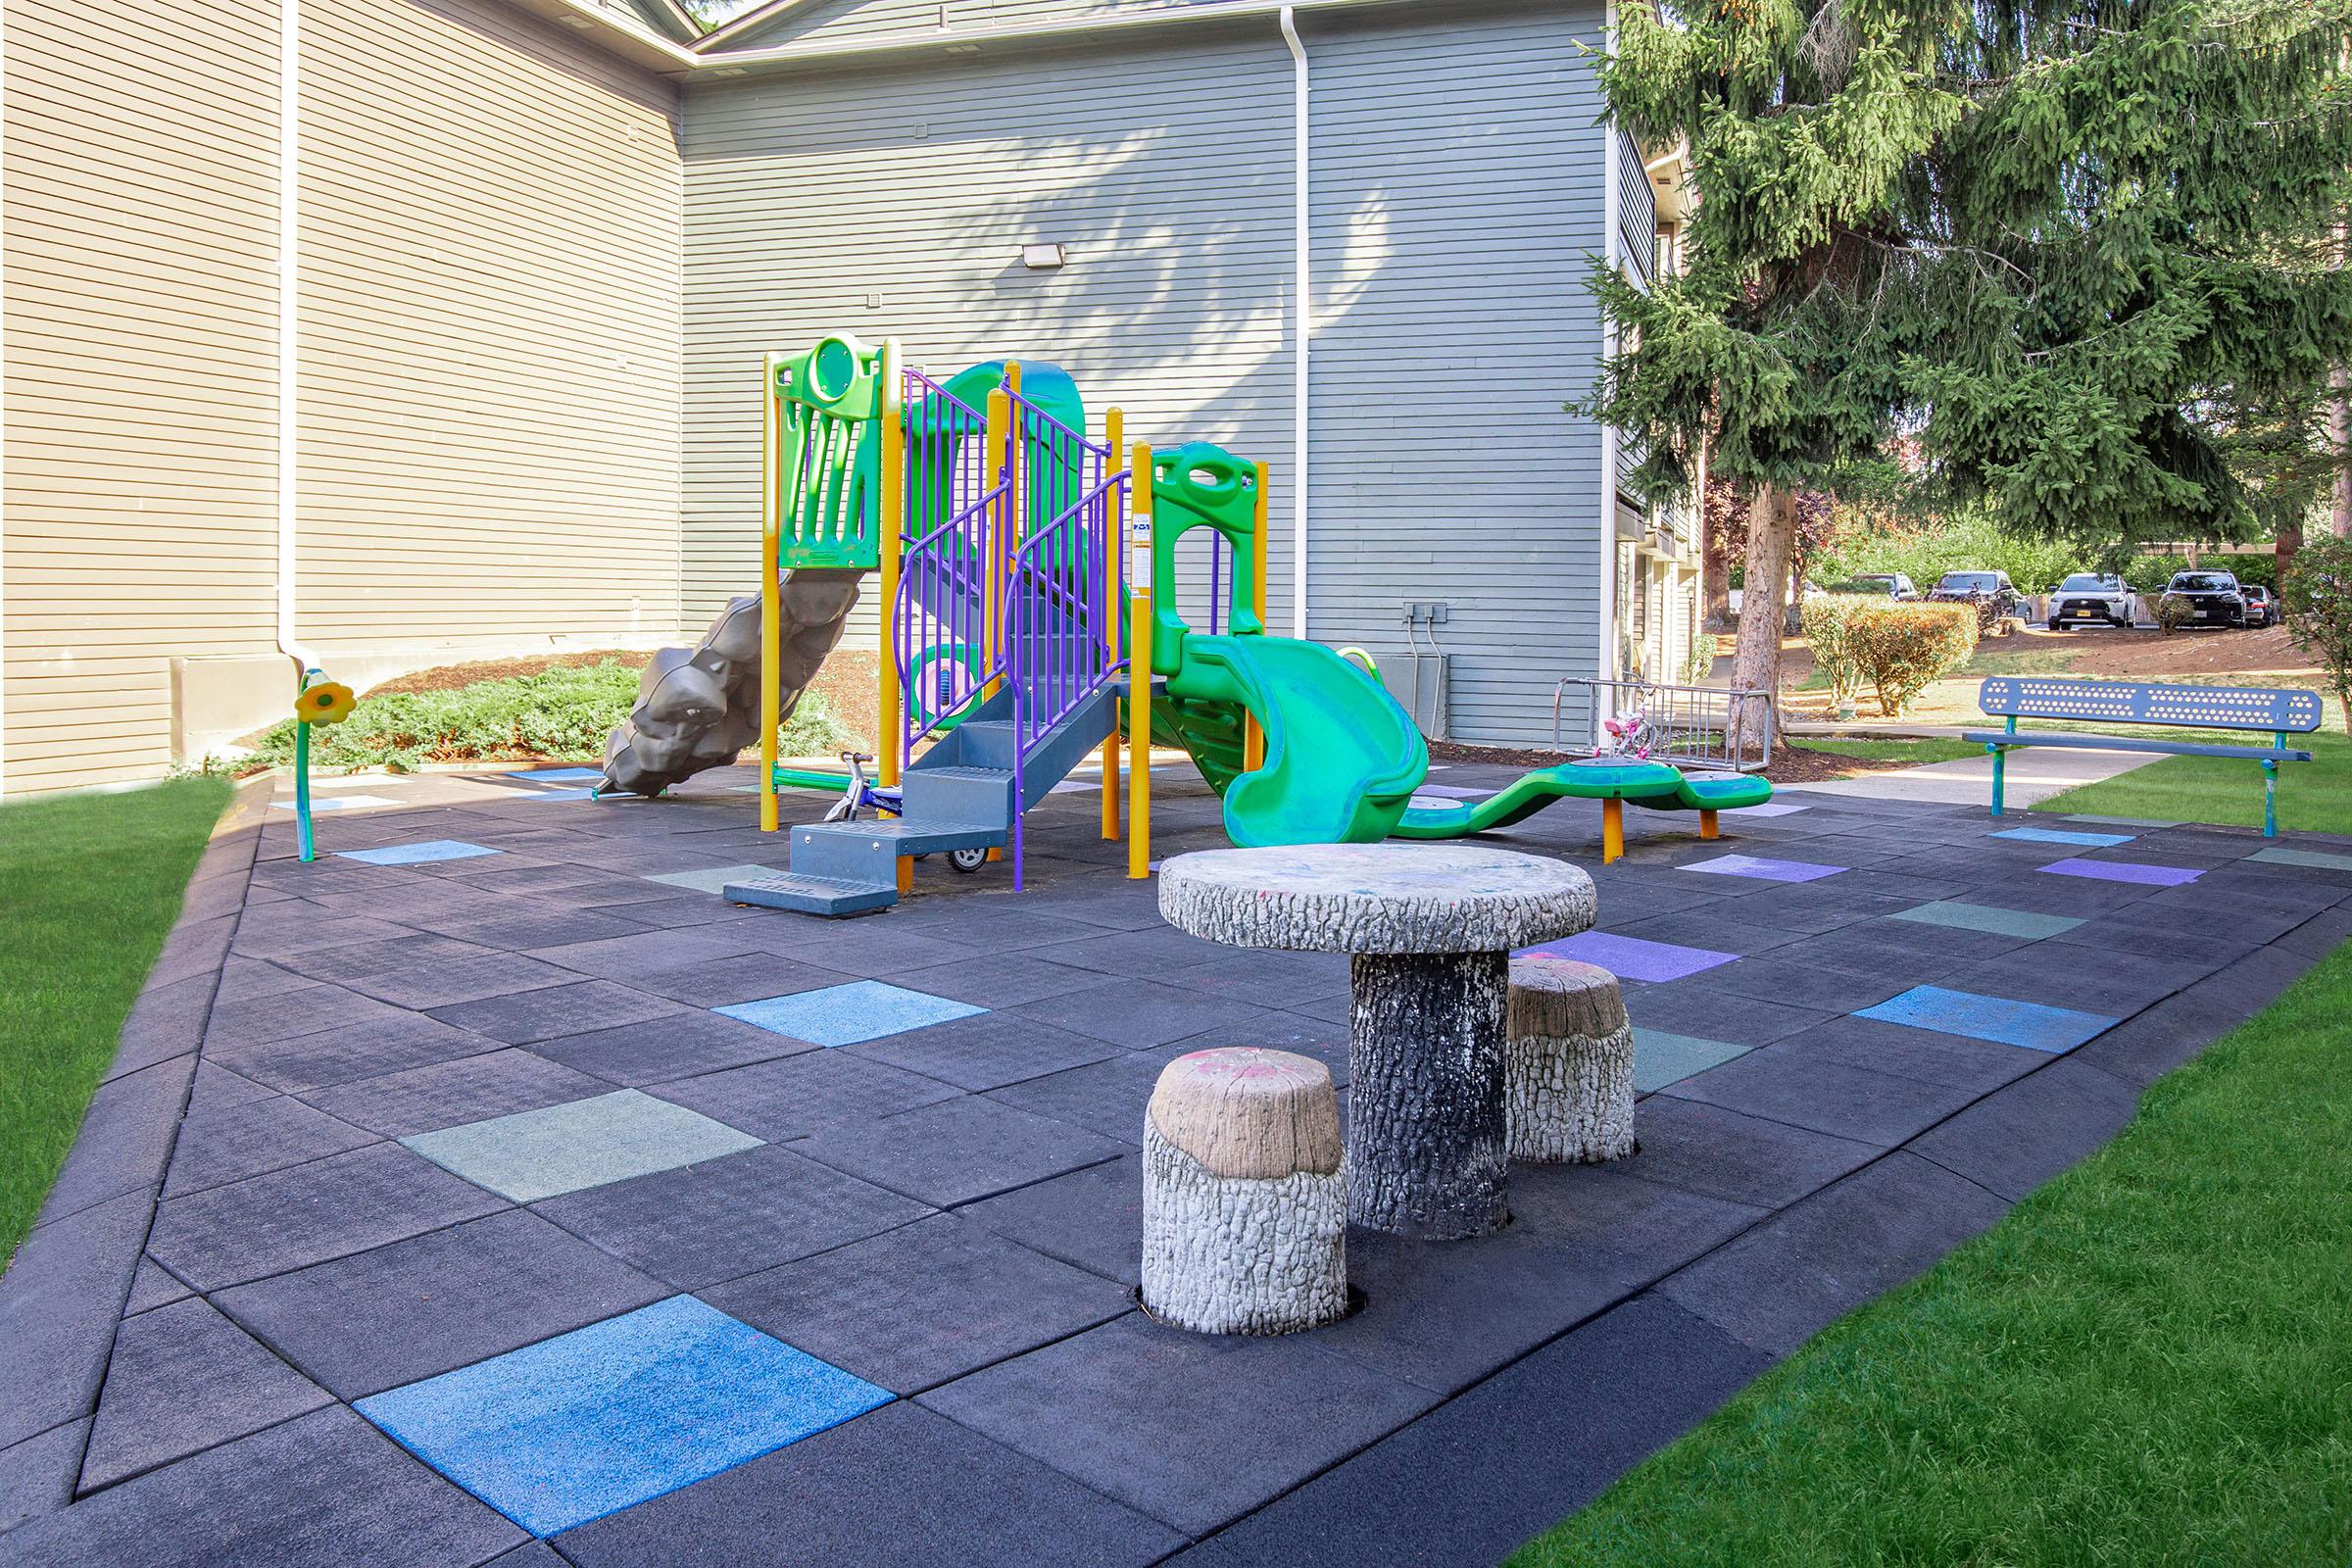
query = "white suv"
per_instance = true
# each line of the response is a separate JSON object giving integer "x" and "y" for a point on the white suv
{"x": 2089, "y": 595}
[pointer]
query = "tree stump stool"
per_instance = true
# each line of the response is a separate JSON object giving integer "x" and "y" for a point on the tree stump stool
{"x": 1244, "y": 1206}
{"x": 1430, "y": 928}
{"x": 1569, "y": 1066}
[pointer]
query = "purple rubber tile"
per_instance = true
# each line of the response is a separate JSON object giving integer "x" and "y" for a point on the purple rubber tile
{"x": 2155, "y": 876}
{"x": 1632, "y": 958}
{"x": 1763, "y": 870}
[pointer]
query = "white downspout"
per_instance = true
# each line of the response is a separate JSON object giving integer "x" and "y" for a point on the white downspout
{"x": 1304, "y": 287}
{"x": 289, "y": 299}
{"x": 1608, "y": 434}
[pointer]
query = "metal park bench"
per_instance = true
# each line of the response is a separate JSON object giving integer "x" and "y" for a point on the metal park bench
{"x": 2117, "y": 701}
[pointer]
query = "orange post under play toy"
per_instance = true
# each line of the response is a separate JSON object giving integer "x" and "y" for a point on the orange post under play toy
{"x": 1612, "y": 830}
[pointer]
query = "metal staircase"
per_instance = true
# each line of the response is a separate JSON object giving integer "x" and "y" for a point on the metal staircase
{"x": 962, "y": 794}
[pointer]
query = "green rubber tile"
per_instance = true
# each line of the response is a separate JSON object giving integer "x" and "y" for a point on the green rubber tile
{"x": 1984, "y": 918}
{"x": 1661, "y": 1059}
{"x": 2122, "y": 821}
{"x": 2315, "y": 857}
{"x": 585, "y": 1143}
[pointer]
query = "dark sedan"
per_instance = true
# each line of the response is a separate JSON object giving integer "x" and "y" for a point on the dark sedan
{"x": 2206, "y": 599}
{"x": 2262, "y": 606}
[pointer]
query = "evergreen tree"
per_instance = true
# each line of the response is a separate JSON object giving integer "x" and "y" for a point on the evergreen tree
{"x": 2058, "y": 242}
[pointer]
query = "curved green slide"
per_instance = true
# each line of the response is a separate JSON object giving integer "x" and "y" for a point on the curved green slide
{"x": 1342, "y": 759}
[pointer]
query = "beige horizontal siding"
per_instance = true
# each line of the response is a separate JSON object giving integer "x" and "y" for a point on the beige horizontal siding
{"x": 140, "y": 461}
{"x": 490, "y": 321}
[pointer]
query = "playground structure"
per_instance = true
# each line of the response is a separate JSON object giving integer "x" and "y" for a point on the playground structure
{"x": 1010, "y": 626}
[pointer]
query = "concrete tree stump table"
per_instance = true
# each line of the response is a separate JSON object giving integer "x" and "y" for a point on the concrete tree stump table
{"x": 1429, "y": 930}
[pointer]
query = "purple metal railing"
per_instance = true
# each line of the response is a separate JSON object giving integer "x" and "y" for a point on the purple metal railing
{"x": 952, "y": 522}
{"x": 1056, "y": 613}
{"x": 1058, "y": 608}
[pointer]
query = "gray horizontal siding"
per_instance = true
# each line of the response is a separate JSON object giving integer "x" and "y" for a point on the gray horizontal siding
{"x": 847, "y": 20}
{"x": 1456, "y": 195}
{"x": 1168, "y": 180}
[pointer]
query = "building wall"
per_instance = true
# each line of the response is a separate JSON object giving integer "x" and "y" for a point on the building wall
{"x": 1457, "y": 192}
{"x": 490, "y": 333}
{"x": 488, "y": 385}
{"x": 140, "y": 244}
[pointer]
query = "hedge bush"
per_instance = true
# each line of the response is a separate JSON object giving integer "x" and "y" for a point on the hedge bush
{"x": 1901, "y": 649}
{"x": 563, "y": 713}
{"x": 1828, "y": 624}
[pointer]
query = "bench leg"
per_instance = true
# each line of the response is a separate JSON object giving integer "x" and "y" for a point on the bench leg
{"x": 2270, "y": 800}
{"x": 1999, "y": 758}
{"x": 1706, "y": 826}
{"x": 1612, "y": 830}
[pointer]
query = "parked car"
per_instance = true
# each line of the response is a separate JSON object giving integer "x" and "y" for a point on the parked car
{"x": 2262, "y": 606}
{"x": 2089, "y": 595}
{"x": 2202, "y": 599}
{"x": 1893, "y": 584}
{"x": 1992, "y": 591}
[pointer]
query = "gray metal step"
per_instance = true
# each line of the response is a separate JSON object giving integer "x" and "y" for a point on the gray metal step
{"x": 870, "y": 852}
{"x": 959, "y": 794}
{"x": 814, "y": 895}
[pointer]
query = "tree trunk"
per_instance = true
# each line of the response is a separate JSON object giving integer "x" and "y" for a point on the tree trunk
{"x": 2339, "y": 440}
{"x": 2290, "y": 540}
{"x": 1756, "y": 658}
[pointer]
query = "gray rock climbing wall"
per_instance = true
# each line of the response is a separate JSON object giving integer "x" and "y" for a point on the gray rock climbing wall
{"x": 698, "y": 708}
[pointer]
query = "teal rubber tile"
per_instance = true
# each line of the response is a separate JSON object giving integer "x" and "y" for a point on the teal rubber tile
{"x": 532, "y": 1154}
{"x": 1661, "y": 1059}
{"x": 2319, "y": 859}
{"x": 2122, "y": 821}
{"x": 2032, "y": 1025}
{"x": 715, "y": 880}
{"x": 2059, "y": 835}
{"x": 1984, "y": 918}
{"x": 423, "y": 852}
{"x": 602, "y": 1418}
{"x": 845, "y": 1015}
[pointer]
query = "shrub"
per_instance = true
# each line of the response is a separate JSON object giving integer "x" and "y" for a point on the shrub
{"x": 1828, "y": 626}
{"x": 1902, "y": 648}
{"x": 2317, "y": 598}
{"x": 2173, "y": 613}
{"x": 556, "y": 713}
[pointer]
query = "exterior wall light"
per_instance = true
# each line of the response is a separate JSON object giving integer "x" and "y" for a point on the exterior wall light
{"x": 1044, "y": 258}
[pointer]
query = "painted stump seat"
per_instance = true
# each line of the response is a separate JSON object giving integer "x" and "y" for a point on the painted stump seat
{"x": 1570, "y": 1063}
{"x": 1429, "y": 929}
{"x": 1245, "y": 1204}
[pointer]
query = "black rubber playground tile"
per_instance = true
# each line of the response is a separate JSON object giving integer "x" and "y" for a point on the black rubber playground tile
{"x": 1746, "y": 1159}
{"x": 803, "y": 1093}
{"x": 986, "y": 1050}
{"x": 1093, "y": 1219}
{"x": 1139, "y": 1014}
{"x": 921, "y": 1305}
{"x": 341, "y": 1056}
{"x": 669, "y": 1048}
{"x": 449, "y": 1094}
{"x": 183, "y": 1379}
{"x": 959, "y": 1150}
{"x": 569, "y": 1008}
{"x": 227, "y": 1142}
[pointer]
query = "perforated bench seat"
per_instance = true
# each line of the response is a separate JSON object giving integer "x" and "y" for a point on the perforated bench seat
{"x": 2116, "y": 701}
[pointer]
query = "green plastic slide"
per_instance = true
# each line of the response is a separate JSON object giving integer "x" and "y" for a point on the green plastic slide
{"x": 1342, "y": 759}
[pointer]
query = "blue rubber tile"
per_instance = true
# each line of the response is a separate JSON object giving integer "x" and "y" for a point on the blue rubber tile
{"x": 558, "y": 795}
{"x": 2030, "y": 1024}
{"x": 419, "y": 854}
{"x": 1958, "y": 916}
{"x": 1765, "y": 870}
{"x": 844, "y": 1015}
{"x": 1661, "y": 1059}
{"x": 594, "y": 1421}
{"x": 715, "y": 879}
{"x": 563, "y": 775}
{"x": 533, "y": 1155}
{"x": 2054, "y": 835}
{"x": 342, "y": 803}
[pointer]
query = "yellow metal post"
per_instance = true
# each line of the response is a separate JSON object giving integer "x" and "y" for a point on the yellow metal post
{"x": 999, "y": 415}
{"x": 1612, "y": 830}
{"x": 1253, "y": 737}
{"x": 1707, "y": 826}
{"x": 890, "y": 523}
{"x": 1114, "y": 553}
{"x": 771, "y": 640}
{"x": 1138, "y": 677}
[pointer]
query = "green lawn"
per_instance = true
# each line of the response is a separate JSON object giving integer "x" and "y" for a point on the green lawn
{"x": 2314, "y": 796}
{"x": 89, "y": 886}
{"x": 2148, "y": 1361}
{"x": 1926, "y": 749}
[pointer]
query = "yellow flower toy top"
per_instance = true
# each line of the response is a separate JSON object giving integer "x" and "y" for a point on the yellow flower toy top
{"x": 327, "y": 703}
